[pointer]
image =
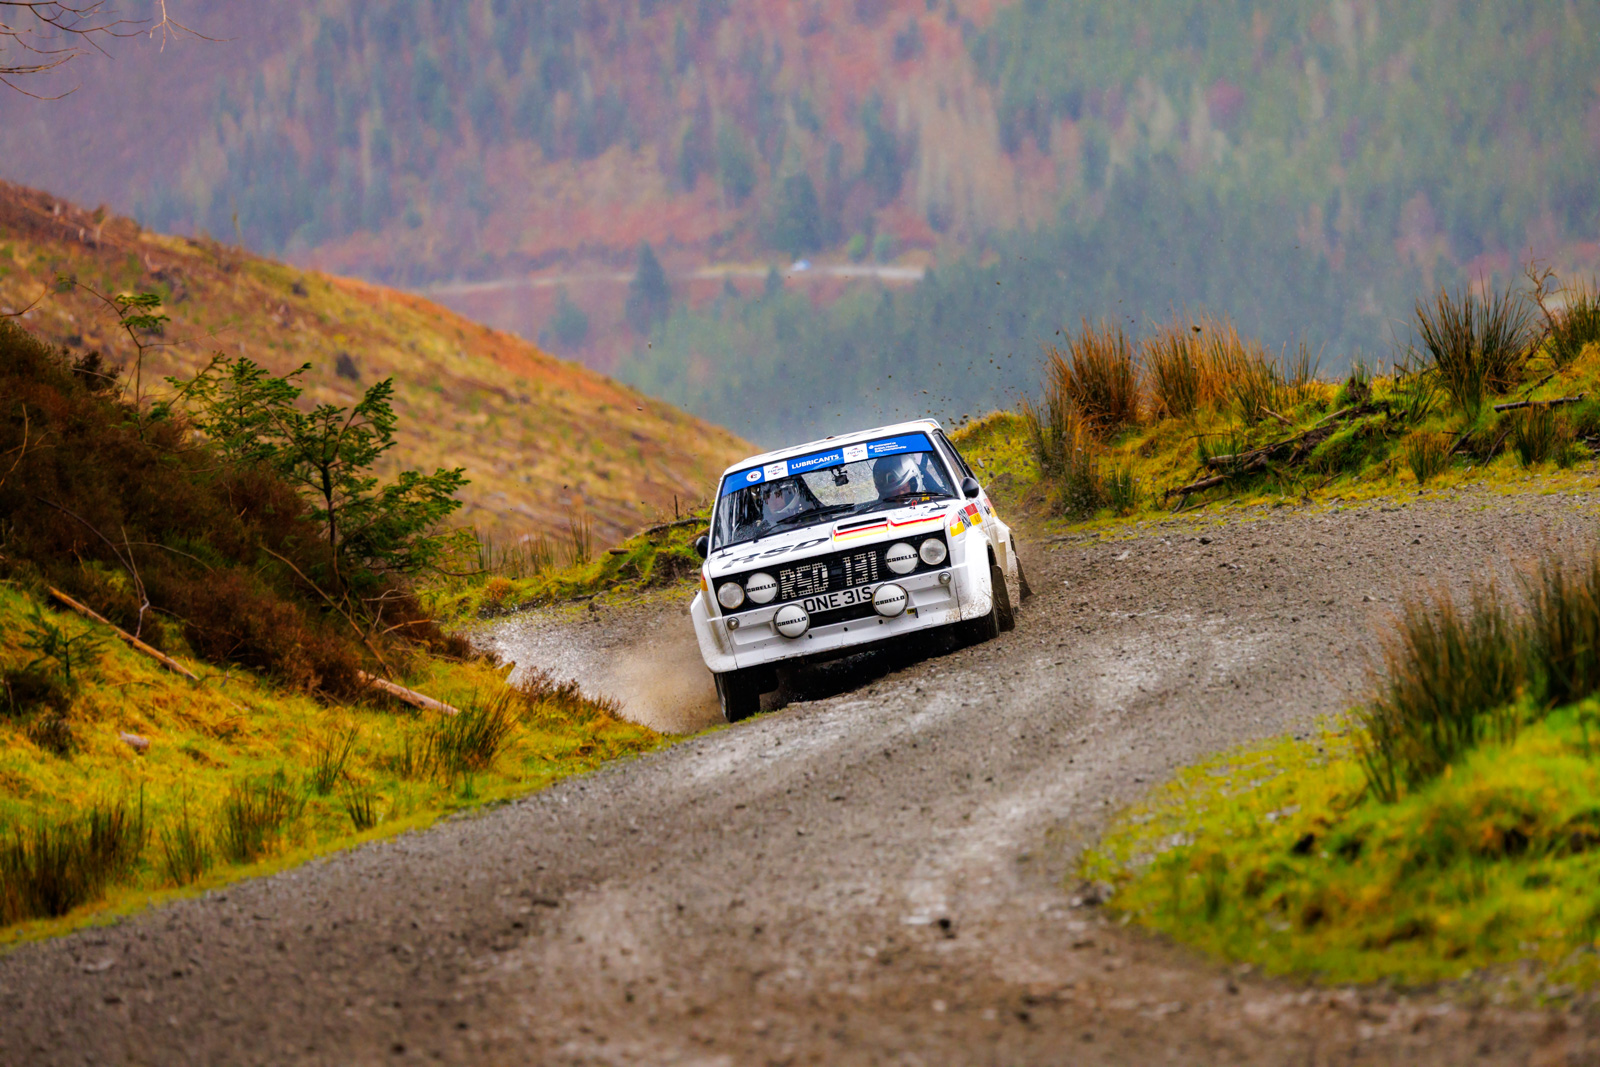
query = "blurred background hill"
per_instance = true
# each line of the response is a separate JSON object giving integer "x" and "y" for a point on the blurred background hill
{"x": 544, "y": 441}
{"x": 1308, "y": 168}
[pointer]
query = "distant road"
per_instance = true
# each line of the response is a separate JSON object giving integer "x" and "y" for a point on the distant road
{"x": 881, "y": 272}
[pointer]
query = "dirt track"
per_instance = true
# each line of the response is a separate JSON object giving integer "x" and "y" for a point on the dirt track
{"x": 876, "y": 876}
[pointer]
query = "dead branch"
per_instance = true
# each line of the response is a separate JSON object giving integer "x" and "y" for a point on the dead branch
{"x": 21, "y": 450}
{"x": 126, "y": 561}
{"x": 1540, "y": 403}
{"x": 409, "y": 696}
{"x": 1285, "y": 422}
{"x": 55, "y": 32}
{"x": 335, "y": 605}
{"x": 133, "y": 642}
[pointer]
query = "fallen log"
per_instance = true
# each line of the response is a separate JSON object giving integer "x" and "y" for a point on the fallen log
{"x": 1540, "y": 403}
{"x": 1353, "y": 412}
{"x": 132, "y": 642}
{"x": 409, "y": 696}
{"x": 134, "y": 741}
{"x": 663, "y": 526}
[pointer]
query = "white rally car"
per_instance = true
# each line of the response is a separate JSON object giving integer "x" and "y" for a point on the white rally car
{"x": 819, "y": 550}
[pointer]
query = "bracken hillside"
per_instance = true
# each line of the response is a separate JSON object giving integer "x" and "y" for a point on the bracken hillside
{"x": 542, "y": 440}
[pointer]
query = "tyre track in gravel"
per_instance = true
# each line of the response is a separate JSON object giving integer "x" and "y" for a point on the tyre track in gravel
{"x": 871, "y": 876}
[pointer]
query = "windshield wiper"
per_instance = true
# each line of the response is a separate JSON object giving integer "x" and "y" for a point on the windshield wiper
{"x": 814, "y": 515}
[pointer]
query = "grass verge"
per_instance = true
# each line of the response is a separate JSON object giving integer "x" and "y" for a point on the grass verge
{"x": 242, "y": 777}
{"x": 1452, "y": 826}
{"x": 532, "y": 571}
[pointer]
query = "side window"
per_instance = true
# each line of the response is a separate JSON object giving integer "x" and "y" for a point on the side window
{"x": 950, "y": 449}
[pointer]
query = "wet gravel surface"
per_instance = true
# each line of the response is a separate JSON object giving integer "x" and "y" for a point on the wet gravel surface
{"x": 879, "y": 875}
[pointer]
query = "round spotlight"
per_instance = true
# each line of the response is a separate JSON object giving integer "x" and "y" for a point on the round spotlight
{"x": 792, "y": 620}
{"x": 730, "y": 595}
{"x": 933, "y": 551}
{"x": 889, "y": 600}
{"x": 901, "y": 558}
{"x": 761, "y": 587}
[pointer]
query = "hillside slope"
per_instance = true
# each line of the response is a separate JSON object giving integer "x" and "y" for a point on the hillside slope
{"x": 540, "y": 438}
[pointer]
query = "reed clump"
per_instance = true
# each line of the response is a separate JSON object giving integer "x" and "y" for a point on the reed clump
{"x": 54, "y": 865}
{"x": 1449, "y": 682}
{"x": 1099, "y": 377}
{"x": 1479, "y": 345}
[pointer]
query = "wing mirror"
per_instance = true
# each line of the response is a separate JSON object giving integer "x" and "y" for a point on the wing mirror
{"x": 970, "y": 487}
{"x": 702, "y": 545}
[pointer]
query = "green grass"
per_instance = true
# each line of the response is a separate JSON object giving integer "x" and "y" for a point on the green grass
{"x": 1412, "y": 439}
{"x": 656, "y": 557}
{"x": 1453, "y": 825}
{"x": 1279, "y": 855}
{"x": 242, "y": 777}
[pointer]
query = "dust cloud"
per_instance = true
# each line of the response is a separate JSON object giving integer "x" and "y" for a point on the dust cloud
{"x": 661, "y": 682}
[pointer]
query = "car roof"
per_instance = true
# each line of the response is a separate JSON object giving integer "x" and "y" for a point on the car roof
{"x": 835, "y": 441}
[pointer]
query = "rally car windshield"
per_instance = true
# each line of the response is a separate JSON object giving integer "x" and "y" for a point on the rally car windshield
{"x": 792, "y": 501}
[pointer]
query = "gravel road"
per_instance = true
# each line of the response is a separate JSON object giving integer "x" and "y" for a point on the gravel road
{"x": 878, "y": 875}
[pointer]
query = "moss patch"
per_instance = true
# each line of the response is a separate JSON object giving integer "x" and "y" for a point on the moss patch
{"x": 1277, "y": 855}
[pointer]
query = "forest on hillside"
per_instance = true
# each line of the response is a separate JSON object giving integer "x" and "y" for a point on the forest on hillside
{"x": 1306, "y": 168}
{"x": 1309, "y": 173}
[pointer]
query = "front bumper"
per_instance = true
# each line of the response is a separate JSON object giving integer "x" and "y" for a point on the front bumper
{"x": 756, "y": 641}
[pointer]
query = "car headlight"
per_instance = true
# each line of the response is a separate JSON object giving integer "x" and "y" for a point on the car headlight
{"x": 730, "y": 595}
{"x": 901, "y": 558}
{"x": 761, "y": 587}
{"x": 933, "y": 551}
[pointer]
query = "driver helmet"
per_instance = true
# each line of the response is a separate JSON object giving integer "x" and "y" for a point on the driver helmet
{"x": 895, "y": 476}
{"x": 780, "y": 499}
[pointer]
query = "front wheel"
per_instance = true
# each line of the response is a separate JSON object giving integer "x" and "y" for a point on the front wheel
{"x": 999, "y": 617}
{"x": 739, "y": 693}
{"x": 1004, "y": 616}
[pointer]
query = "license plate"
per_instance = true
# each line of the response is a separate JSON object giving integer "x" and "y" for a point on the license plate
{"x": 844, "y": 598}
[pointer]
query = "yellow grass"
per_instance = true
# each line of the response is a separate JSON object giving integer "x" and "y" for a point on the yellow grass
{"x": 233, "y": 727}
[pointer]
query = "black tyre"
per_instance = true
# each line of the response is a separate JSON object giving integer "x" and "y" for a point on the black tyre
{"x": 1005, "y": 618}
{"x": 739, "y": 693}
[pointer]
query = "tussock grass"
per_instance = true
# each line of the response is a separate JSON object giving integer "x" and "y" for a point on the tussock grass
{"x": 1098, "y": 377}
{"x": 1576, "y": 325}
{"x": 186, "y": 850}
{"x": 1539, "y": 434}
{"x": 1563, "y": 630}
{"x": 1448, "y": 683}
{"x": 331, "y": 751}
{"x": 254, "y": 817}
{"x": 54, "y": 865}
{"x": 1478, "y": 344}
{"x": 361, "y": 804}
{"x": 1427, "y": 455}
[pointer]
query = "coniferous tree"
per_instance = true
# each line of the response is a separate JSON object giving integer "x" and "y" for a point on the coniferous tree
{"x": 649, "y": 296}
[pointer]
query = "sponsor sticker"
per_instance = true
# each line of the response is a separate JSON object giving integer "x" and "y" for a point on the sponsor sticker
{"x": 888, "y": 446}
